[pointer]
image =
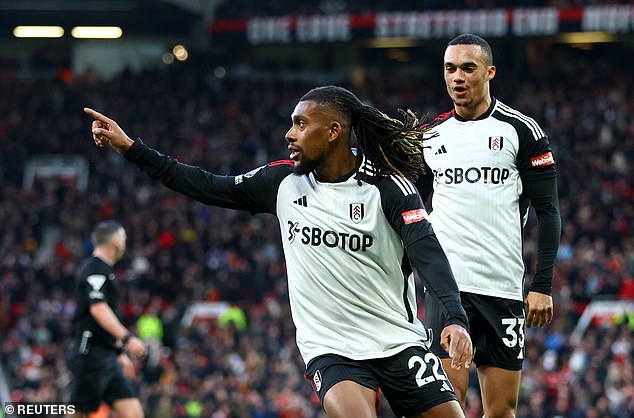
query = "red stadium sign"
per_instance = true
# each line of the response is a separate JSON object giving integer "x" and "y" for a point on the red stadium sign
{"x": 425, "y": 25}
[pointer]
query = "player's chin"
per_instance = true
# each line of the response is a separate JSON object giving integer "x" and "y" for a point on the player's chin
{"x": 461, "y": 101}
{"x": 299, "y": 168}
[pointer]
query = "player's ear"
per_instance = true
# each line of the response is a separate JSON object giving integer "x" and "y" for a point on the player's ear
{"x": 335, "y": 131}
{"x": 491, "y": 72}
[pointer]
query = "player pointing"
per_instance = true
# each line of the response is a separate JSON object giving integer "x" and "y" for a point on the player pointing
{"x": 353, "y": 228}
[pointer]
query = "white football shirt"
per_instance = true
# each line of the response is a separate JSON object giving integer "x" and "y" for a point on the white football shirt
{"x": 350, "y": 288}
{"x": 478, "y": 207}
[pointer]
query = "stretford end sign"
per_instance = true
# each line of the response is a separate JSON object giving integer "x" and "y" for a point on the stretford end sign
{"x": 424, "y": 25}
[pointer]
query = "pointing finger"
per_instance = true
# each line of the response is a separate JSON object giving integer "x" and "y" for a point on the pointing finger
{"x": 98, "y": 116}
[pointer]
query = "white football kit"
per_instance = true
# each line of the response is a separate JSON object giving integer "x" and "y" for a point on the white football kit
{"x": 350, "y": 288}
{"x": 485, "y": 174}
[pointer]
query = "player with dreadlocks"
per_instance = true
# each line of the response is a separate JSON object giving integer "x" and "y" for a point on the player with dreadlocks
{"x": 393, "y": 146}
{"x": 353, "y": 230}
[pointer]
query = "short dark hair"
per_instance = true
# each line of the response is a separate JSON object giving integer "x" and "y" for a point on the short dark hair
{"x": 471, "y": 39}
{"x": 104, "y": 231}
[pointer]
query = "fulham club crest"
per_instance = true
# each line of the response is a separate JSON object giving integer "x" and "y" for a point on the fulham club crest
{"x": 357, "y": 211}
{"x": 496, "y": 143}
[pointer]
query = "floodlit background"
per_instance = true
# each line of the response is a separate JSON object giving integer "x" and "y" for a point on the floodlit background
{"x": 213, "y": 83}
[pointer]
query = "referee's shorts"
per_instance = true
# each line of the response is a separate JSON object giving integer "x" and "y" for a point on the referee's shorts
{"x": 97, "y": 378}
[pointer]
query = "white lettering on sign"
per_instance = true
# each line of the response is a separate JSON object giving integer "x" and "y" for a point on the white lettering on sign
{"x": 411, "y": 25}
{"x": 607, "y": 19}
{"x": 543, "y": 21}
{"x": 445, "y": 24}
{"x": 269, "y": 30}
{"x": 323, "y": 28}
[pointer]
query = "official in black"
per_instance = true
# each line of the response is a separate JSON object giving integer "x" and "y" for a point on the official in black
{"x": 101, "y": 357}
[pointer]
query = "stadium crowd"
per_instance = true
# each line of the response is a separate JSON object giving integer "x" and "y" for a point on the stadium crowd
{"x": 181, "y": 252}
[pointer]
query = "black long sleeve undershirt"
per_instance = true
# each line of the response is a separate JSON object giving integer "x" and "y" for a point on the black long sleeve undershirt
{"x": 541, "y": 189}
{"x": 431, "y": 266}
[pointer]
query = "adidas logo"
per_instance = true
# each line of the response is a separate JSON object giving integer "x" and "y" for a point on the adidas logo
{"x": 441, "y": 150}
{"x": 301, "y": 201}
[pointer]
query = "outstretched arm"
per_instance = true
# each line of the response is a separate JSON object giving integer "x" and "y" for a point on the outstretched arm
{"x": 255, "y": 192}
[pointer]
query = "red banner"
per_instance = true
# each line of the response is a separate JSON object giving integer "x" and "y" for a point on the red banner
{"x": 426, "y": 25}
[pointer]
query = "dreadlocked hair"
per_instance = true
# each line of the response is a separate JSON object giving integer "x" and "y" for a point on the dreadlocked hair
{"x": 391, "y": 145}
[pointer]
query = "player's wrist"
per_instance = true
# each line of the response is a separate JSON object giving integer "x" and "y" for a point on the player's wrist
{"x": 125, "y": 339}
{"x": 459, "y": 322}
{"x": 542, "y": 290}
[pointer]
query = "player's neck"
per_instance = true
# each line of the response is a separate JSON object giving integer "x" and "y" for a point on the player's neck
{"x": 105, "y": 255}
{"x": 474, "y": 112}
{"x": 336, "y": 168}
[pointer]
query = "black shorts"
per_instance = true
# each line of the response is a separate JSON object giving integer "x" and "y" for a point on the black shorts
{"x": 496, "y": 329}
{"x": 97, "y": 377}
{"x": 412, "y": 381}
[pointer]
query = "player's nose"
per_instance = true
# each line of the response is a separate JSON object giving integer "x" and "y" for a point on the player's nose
{"x": 290, "y": 137}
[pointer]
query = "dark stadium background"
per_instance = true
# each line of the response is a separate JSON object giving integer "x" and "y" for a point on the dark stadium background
{"x": 214, "y": 279}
